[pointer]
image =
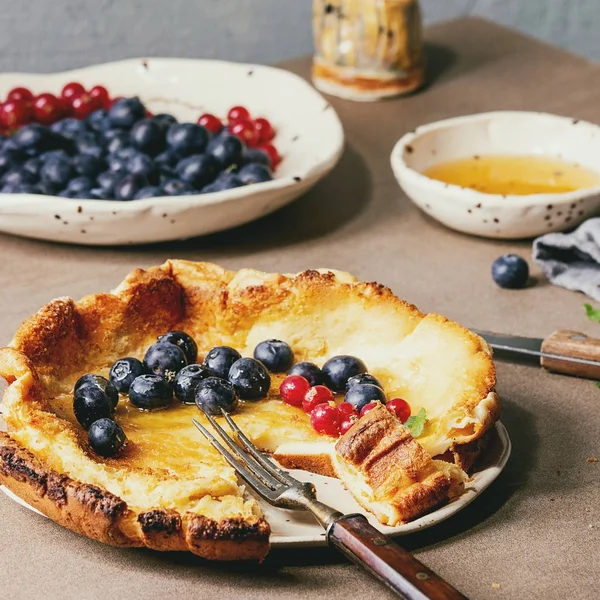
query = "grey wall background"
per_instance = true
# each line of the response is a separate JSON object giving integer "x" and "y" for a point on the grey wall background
{"x": 43, "y": 35}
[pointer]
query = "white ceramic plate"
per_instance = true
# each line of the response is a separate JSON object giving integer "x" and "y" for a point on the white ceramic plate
{"x": 309, "y": 137}
{"x": 295, "y": 528}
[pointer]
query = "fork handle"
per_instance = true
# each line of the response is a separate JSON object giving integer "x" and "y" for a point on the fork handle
{"x": 394, "y": 566}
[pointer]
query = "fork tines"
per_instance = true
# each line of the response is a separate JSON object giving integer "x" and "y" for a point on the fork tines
{"x": 263, "y": 476}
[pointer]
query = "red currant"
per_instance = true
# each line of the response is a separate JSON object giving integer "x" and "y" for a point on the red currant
{"x": 316, "y": 395}
{"x": 84, "y": 104}
{"x": 293, "y": 389}
{"x": 400, "y": 408}
{"x": 101, "y": 93}
{"x": 325, "y": 419}
{"x": 246, "y": 132}
{"x": 238, "y": 113}
{"x": 149, "y": 114}
{"x": 272, "y": 153}
{"x": 20, "y": 93}
{"x": 264, "y": 129}
{"x": 47, "y": 109}
{"x": 210, "y": 122}
{"x": 15, "y": 113}
{"x": 367, "y": 407}
{"x": 347, "y": 422}
{"x": 71, "y": 90}
{"x": 346, "y": 409}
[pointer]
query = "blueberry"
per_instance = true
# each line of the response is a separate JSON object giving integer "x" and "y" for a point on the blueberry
{"x": 88, "y": 165}
{"x": 129, "y": 186}
{"x": 69, "y": 128}
{"x": 113, "y": 132}
{"x": 124, "y": 371}
{"x": 25, "y": 188}
{"x": 227, "y": 150}
{"x": 142, "y": 164}
{"x": 64, "y": 194}
{"x": 60, "y": 153}
{"x": 176, "y": 187}
{"x": 225, "y": 181}
{"x": 106, "y": 437}
{"x": 33, "y": 137}
{"x": 150, "y": 392}
{"x": 46, "y": 188}
{"x": 164, "y": 120}
{"x": 150, "y": 191}
{"x": 184, "y": 139}
{"x": 360, "y": 395}
{"x": 126, "y": 153}
{"x": 57, "y": 171}
{"x": 10, "y": 159}
{"x": 91, "y": 380}
{"x": 78, "y": 184}
{"x": 117, "y": 142}
{"x": 337, "y": 371}
{"x": 33, "y": 165}
{"x": 219, "y": 360}
{"x": 108, "y": 180}
{"x": 167, "y": 174}
{"x": 10, "y": 144}
{"x": 214, "y": 394}
{"x": 361, "y": 379}
{"x": 276, "y": 355}
{"x": 148, "y": 136}
{"x": 126, "y": 112}
{"x": 101, "y": 194}
{"x": 309, "y": 371}
{"x": 184, "y": 341}
{"x": 249, "y": 378}
{"x": 87, "y": 143}
{"x": 117, "y": 164}
{"x": 255, "y": 156}
{"x": 166, "y": 359}
{"x": 165, "y": 159}
{"x": 91, "y": 403}
{"x": 254, "y": 173}
{"x": 510, "y": 271}
{"x": 198, "y": 170}
{"x": 9, "y": 188}
{"x": 184, "y": 384}
{"x": 98, "y": 120}
{"x": 18, "y": 177}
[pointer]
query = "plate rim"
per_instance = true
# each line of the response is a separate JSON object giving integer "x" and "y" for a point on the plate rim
{"x": 443, "y": 513}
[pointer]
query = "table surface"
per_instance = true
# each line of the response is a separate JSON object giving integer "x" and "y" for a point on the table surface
{"x": 536, "y": 532}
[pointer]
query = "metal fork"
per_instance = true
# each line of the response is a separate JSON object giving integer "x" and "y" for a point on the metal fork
{"x": 352, "y": 533}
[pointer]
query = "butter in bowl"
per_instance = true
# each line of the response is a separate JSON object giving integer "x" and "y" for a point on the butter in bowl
{"x": 503, "y": 174}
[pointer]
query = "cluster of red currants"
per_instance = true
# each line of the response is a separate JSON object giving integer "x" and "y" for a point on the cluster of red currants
{"x": 255, "y": 133}
{"x": 22, "y": 106}
{"x": 325, "y": 415}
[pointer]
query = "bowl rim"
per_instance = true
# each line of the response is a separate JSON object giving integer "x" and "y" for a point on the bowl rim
{"x": 467, "y": 196}
{"x": 304, "y": 177}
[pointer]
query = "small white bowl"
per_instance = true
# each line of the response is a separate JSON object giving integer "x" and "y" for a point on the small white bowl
{"x": 309, "y": 137}
{"x": 499, "y": 133}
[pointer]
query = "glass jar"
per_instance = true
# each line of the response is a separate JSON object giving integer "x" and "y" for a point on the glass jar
{"x": 367, "y": 49}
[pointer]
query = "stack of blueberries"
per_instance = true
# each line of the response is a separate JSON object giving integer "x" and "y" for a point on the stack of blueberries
{"x": 121, "y": 154}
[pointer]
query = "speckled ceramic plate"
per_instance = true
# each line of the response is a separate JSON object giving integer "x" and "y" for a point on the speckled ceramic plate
{"x": 309, "y": 137}
{"x": 295, "y": 528}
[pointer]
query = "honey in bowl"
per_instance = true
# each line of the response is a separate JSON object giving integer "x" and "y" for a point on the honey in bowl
{"x": 514, "y": 175}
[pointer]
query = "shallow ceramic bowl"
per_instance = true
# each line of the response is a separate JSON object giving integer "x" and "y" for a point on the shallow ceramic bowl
{"x": 516, "y": 133}
{"x": 309, "y": 137}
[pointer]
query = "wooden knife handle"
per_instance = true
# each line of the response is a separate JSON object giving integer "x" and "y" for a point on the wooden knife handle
{"x": 574, "y": 345}
{"x": 394, "y": 566}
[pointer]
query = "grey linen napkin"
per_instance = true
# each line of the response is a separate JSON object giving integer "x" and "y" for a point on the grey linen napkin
{"x": 572, "y": 260}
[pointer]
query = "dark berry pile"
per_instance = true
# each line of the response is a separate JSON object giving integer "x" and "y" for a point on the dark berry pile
{"x": 170, "y": 369}
{"x": 86, "y": 145}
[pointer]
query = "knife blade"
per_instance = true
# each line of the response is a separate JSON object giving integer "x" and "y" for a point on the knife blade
{"x": 568, "y": 352}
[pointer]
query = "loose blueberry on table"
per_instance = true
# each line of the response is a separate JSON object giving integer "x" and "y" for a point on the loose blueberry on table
{"x": 510, "y": 271}
{"x": 90, "y": 131}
